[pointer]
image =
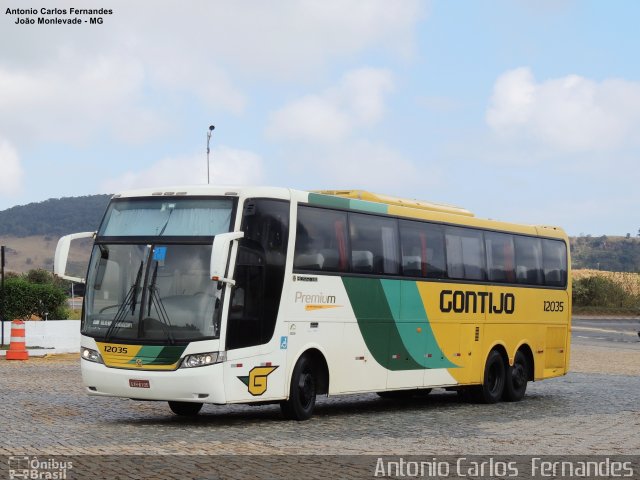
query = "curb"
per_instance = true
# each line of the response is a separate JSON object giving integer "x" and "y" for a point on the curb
{"x": 43, "y": 352}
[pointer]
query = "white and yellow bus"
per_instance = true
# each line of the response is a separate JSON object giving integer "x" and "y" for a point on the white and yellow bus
{"x": 238, "y": 295}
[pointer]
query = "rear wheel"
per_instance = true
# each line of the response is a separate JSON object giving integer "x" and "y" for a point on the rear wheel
{"x": 302, "y": 395}
{"x": 516, "y": 381}
{"x": 185, "y": 409}
{"x": 493, "y": 383}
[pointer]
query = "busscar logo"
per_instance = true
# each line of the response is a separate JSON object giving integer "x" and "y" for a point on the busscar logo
{"x": 304, "y": 278}
{"x": 256, "y": 381}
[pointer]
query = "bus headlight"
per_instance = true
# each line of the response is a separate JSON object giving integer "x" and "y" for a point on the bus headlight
{"x": 202, "y": 359}
{"x": 90, "y": 355}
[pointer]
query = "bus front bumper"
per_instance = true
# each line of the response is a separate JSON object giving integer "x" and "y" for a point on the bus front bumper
{"x": 200, "y": 384}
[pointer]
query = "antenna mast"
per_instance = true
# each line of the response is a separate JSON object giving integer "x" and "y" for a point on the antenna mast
{"x": 209, "y": 133}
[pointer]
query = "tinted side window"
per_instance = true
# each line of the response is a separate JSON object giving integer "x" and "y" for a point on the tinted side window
{"x": 501, "y": 257}
{"x": 554, "y": 257}
{"x": 374, "y": 244}
{"x": 422, "y": 246}
{"x": 465, "y": 253}
{"x": 528, "y": 260}
{"x": 321, "y": 240}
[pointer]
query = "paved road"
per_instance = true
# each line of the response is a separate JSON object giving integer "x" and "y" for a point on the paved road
{"x": 619, "y": 332}
{"x": 45, "y": 412}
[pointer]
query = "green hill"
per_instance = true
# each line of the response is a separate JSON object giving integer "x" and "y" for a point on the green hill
{"x": 614, "y": 254}
{"x": 54, "y": 217}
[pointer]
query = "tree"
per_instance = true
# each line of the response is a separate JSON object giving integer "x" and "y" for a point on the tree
{"x": 49, "y": 301}
{"x": 39, "y": 276}
{"x": 35, "y": 293}
{"x": 18, "y": 298}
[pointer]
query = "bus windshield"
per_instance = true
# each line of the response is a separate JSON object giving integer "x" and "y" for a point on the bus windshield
{"x": 164, "y": 217}
{"x": 148, "y": 275}
{"x": 158, "y": 293}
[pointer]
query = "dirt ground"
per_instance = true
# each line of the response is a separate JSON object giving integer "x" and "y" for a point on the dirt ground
{"x": 605, "y": 359}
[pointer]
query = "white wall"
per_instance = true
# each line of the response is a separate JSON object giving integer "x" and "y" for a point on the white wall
{"x": 63, "y": 335}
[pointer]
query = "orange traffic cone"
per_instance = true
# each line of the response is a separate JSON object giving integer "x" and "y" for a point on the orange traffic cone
{"x": 17, "y": 347}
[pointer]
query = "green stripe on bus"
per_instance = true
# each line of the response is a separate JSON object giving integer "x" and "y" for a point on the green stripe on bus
{"x": 371, "y": 207}
{"x": 158, "y": 355}
{"x": 377, "y": 324}
{"x": 347, "y": 203}
{"x": 328, "y": 200}
{"x": 409, "y": 314}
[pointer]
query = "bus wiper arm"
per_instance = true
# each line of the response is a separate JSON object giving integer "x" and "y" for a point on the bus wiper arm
{"x": 152, "y": 287}
{"x": 130, "y": 299}
{"x": 136, "y": 286}
{"x": 155, "y": 300}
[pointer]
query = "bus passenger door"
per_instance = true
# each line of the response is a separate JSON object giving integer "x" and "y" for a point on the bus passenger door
{"x": 255, "y": 367}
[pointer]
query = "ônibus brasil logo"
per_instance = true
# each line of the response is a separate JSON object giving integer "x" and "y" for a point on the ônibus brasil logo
{"x": 33, "y": 468}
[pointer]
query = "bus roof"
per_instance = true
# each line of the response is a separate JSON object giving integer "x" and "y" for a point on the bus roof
{"x": 357, "y": 200}
{"x": 401, "y": 202}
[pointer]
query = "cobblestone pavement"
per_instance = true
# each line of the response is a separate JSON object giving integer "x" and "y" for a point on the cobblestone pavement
{"x": 46, "y": 412}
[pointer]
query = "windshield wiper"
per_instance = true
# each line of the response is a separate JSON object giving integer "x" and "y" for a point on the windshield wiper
{"x": 156, "y": 301}
{"x": 131, "y": 300}
{"x": 136, "y": 287}
{"x": 164, "y": 227}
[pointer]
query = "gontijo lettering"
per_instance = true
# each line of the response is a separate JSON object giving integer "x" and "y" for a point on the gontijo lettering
{"x": 460, "y": 301}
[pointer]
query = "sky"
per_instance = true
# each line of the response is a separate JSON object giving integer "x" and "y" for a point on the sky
{"x": 523, "y": 110}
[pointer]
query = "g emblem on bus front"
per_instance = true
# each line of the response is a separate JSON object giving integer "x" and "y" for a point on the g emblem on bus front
{"x": 256, "y": 381}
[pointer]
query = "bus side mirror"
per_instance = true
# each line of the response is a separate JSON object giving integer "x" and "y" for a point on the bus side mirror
{"x": 220, "y": 256}
{"x": 62, "y": 254}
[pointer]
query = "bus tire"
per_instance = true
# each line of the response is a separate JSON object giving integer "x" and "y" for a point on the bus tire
{"x": 516, "y": 381}
{"x": 493, "y": 382}
{"x": 302, "y": 394}
{"x": 185, "y": 409}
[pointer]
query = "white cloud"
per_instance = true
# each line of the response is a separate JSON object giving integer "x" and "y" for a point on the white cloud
{"x": 72, "y": 101}
{"x": 357, "y": 164}
{"x": 288, "y": 39}
{"x": 357, "y": 101}
{"x": 571, "y": 113}
{"x": 69, "y": 85}
{"x": 229, "y": 166}
{"x": 369, "y": 165}
{"x": 10, "y": 169}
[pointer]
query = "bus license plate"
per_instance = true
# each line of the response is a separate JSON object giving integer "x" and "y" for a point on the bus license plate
{"x": 138, "y": 383}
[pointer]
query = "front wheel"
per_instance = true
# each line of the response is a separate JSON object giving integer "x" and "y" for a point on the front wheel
{"x": 516, "y": 381}
{"x": 185, "y": 409}
{"x": 302, "y": 395}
